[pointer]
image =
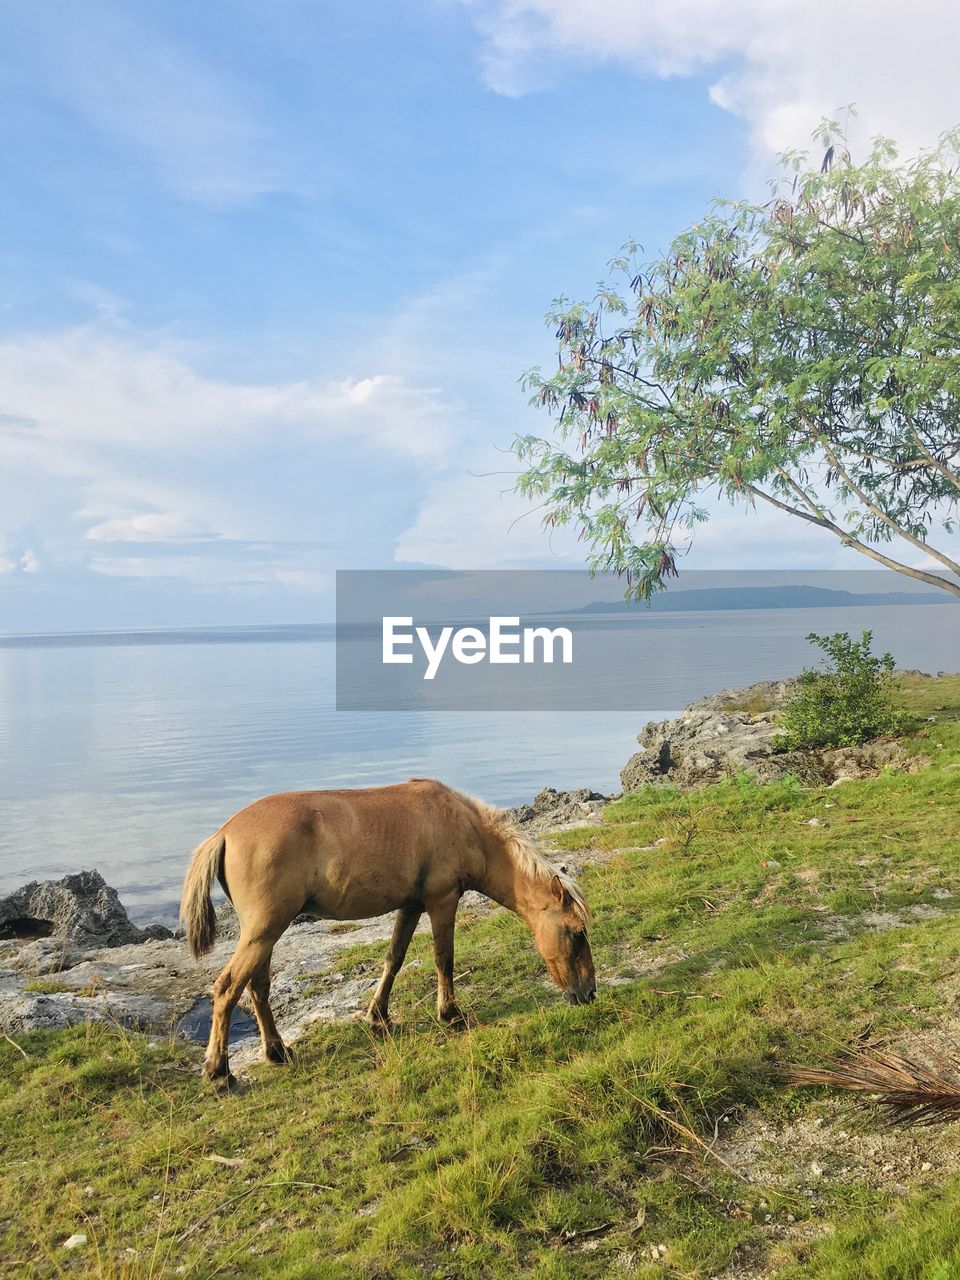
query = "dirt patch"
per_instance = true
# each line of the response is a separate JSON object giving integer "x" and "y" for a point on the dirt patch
{"x": 837, "y": 1143}
{"x": 834, "y": 1144}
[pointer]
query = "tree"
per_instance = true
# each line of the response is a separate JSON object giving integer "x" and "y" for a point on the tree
{"x": 803, "y": 353}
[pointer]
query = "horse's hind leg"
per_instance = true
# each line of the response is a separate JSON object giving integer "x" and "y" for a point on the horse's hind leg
{"x": 250, "y": 954}
{"x": 274, "y": 1050}
{"x": 403, "y": 930}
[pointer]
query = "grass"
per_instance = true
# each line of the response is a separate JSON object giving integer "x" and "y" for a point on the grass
{"x": 551, "y": 1142}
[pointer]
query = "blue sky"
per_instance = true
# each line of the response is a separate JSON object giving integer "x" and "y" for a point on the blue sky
{"x": 270, "y": 273}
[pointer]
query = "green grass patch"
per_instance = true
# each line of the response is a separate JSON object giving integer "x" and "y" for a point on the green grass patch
{"x": 46, "y": 986}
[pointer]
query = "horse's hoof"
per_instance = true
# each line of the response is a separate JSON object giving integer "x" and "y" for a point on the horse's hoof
{"x": 223, "y": 1083}
{"x": 279, "y": 1053}
{"x": 380, "y": 1026}
{"x": 457, "y": 1020}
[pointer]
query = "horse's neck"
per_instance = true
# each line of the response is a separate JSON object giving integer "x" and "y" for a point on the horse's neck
{"x": 508, "y": 884}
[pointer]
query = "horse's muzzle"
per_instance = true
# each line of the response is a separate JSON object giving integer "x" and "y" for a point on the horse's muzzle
{"x": 580, "y": 997}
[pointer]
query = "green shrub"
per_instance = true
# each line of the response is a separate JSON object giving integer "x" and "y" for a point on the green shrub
{"x": 849, "y": 703}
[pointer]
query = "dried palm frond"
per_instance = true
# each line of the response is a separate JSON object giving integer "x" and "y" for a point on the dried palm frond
{"x": 910, "y": 1091}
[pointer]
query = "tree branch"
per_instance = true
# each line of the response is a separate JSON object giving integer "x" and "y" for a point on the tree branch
{"x": 932, "y": 579}
{"x": 884, "y": 518}
{"x": 646, "y": 382}
{"x": 934, "y": 461}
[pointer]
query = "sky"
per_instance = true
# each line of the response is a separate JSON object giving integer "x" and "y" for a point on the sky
{"x": 270, "y": 274}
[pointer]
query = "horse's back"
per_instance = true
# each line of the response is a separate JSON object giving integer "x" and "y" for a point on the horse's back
{"x": 351, "y": 853}
{"x": 297, "y": 813}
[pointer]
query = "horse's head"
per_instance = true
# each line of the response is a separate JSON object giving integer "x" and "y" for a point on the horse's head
{"x": 560, "y": 932}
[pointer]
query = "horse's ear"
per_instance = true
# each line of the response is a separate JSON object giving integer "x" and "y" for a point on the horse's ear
{"x": 560, "y": 892}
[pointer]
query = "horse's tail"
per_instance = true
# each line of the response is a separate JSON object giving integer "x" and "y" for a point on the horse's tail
{"x": 196, "y": 909}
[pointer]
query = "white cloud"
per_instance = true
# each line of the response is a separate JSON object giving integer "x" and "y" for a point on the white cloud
{"x": 14, "y": 562}
{"x": 159, "y": 526}
{"x": 782, "y": 64}
{"x": 80, "y": 386}
{"x": 117, "y": 440}
{"x": 80, "y": 390}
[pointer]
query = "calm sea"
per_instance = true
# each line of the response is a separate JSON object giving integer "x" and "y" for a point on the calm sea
{"x": 122, "y": 751}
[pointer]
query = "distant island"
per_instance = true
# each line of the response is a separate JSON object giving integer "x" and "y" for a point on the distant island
{"x": 785, "y": 597}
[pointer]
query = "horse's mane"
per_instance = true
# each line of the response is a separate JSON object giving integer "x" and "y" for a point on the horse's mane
{"x": 528, "y": 858}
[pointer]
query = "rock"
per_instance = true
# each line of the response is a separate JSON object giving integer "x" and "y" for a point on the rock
{"x": 228, "y": 922}
{"x": 22, "y": 1010}
{"x": 75, "y": 1241}
{"x": 80, "y": 911}
{"x": 724, "y": 733}
{"x": 45, "y": 955}
{"x": 551, "y": 808}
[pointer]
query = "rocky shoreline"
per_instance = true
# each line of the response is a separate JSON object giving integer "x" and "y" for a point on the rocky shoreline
{"x": 70, "y": 954}
{"x": 732, "y": 733}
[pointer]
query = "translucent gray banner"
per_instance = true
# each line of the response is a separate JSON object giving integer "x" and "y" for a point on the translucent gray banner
{"x": 558, "y": 640}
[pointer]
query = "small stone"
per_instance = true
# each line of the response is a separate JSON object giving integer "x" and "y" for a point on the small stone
{"x": 75, "y": 1241}
{"x": 926, "y": 1167}
{"x": 814, "y": 822}
{"x": 815, "y": 1170}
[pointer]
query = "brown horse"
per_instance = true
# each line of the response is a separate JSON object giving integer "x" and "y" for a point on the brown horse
{"x": 345, "y": 855}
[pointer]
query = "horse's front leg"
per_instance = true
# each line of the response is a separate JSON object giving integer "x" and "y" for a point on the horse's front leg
{"x": 403, "y": 929}
{"x": 442, "y": 917}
